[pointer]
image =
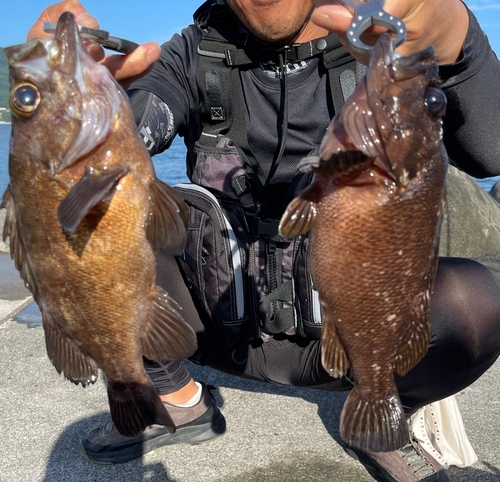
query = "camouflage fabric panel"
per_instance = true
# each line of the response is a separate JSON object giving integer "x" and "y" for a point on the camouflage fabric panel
{"x": 217, "y": 165}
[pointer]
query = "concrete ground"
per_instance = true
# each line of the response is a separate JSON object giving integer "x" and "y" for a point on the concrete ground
{"x": 274, "y": 433}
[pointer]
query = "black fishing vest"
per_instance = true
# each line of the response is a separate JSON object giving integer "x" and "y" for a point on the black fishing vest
{"x": 247, "y": 279}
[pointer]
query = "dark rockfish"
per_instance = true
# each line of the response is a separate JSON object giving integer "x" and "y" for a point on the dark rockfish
{"x": 375, "y": 208}
{"x": 85, "y": 214}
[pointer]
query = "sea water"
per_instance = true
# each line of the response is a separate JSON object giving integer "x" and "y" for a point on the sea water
{"x": 170, "y": 165}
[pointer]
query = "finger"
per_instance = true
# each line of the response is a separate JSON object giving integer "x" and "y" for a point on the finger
{"x": 52, "y": 14}
{"x": 94, "y": 49}
{"x": 127, "y": 68}
{"x": 333, "y": 17}
{"x": 337, "y": 19}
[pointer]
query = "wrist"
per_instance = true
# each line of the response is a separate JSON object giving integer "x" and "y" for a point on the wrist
{"x": 451, "y": 26}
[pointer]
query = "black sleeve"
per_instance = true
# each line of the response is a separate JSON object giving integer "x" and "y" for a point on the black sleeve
{"x": 154, "y": 120}
{"x": 173, "y": 80}
{"x": 473, "y": 89}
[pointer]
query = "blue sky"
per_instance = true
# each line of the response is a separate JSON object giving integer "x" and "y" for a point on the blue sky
{"x": 140, "y": 22}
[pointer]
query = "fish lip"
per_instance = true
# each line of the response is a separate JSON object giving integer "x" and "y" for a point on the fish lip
{"x": 401, "y": 67}
{"x": 384, "y": 49}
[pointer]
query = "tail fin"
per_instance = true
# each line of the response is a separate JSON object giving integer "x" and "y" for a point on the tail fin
{"x": 135, "y": 406}
{"x": 373, "y": 425}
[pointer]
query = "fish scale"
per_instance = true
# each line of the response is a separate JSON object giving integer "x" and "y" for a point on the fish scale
{"x": 86, "y": 216}
{"x": 375, "y": 210}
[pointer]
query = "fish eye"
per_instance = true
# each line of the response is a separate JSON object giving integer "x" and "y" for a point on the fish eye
{"x": 435, "y": 101}
{"x": 24, "y": 99}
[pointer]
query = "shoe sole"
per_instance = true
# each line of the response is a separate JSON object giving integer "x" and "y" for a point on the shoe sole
{"x": 189, "y": 436}
{"x": 370, "y": 467}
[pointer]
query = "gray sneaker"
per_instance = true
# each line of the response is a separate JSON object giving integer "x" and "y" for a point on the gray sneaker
{"x": 194, "y": 425}
{"x": 409, "y": 464}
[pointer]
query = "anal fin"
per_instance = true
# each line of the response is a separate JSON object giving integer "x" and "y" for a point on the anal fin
{"x": 333, "y": 355}
{"x": 167, "y": 336}
{"x": 413, "y": 351}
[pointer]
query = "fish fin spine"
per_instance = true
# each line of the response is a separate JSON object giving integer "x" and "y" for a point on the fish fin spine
{"x": 166, "y": 226}
{"x": 66, "y": 357}
{"x": 168, "y": 336}
{"x": 135, "y": 406}
{"x": 373, "y": 425}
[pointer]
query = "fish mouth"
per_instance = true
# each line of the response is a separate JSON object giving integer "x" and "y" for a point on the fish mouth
{"x": 73, "y": 88}
{"x": 401, "y": 67}
{"x": 379, "y": 118}
{"x": 100, "y": 94}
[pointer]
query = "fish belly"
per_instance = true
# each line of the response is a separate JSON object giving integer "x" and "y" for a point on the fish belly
{"x": 373, "y": 259}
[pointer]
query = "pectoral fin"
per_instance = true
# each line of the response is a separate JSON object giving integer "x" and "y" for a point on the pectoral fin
{"x": 301, "y": 213}
{"x": 93, "y": 187}
{"x": 167, "y": 336}
{"x": 167, "y": 224}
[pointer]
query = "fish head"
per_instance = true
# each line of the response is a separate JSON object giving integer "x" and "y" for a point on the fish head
{"x": 394, "y": 118}
{"x": 63, "y": 103}
{"x": 406, "y": 101}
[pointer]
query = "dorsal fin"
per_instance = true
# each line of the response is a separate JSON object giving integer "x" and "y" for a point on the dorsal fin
{"x": 65, "y": 354}
{"x": 333, "y": 356}
{"x": 17, "y": 251}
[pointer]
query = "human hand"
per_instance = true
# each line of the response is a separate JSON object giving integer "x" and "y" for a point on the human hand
{"x": 442, "y": 24}
{"x": 125, "y": 68}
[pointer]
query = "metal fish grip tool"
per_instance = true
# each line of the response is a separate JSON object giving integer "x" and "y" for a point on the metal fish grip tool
{"x": 367, "y": 14}
{"x": 101, "y": 37}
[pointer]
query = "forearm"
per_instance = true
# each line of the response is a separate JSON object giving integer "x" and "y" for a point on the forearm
{"x": 473, "y": 92}
{"x": 154, "y": 119}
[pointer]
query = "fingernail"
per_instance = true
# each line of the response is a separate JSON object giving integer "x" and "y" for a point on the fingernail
{"x": 321, "y": 19}
{"x": 151, "y": 54}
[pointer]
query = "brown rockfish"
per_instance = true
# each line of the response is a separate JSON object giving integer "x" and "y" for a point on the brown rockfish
{"x": 85, "y": 215}
{"x": 375, "y": 210}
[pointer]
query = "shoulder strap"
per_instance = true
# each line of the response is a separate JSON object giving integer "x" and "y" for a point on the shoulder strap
{"x": 224, "y": 50}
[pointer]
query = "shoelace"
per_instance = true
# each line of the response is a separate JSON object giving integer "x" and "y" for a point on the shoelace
{"x": 108, "y": 427}
{"x": 413, "y": 456}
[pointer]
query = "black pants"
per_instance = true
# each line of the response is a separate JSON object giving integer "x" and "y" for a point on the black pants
{"x": 465, "y": 342}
